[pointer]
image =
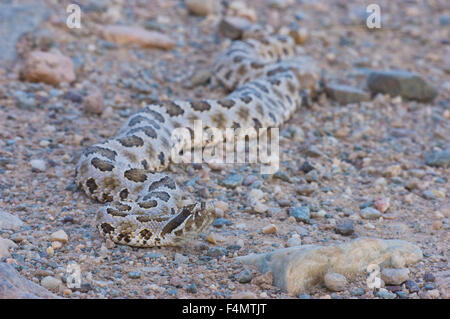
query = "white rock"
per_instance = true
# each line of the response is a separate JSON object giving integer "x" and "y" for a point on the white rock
{"x": 38, "y": 165}
{"x": 9, "y": 221}
{"x": 50, "y": 282}
{"x": 59, "y": 235}
{"x": 5, "y": 244}
{"x": 335, "y": 281}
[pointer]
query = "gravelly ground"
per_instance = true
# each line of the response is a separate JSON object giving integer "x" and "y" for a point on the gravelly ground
{"x": 364, "y": 151}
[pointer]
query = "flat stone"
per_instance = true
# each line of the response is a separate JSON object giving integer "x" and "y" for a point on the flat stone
{"x": 345, "y": 228}
{"x": 344, "y": 94}
{"x": 50, "y": 283}
{"x": 129, "y": 35}
{"x": 439, "y": 159}
{"x": 14, "y": 286}
{"x": 370, "y": 213}
{"x": 232, "y": 181}
{"x": 233, "y": 27}
{"x": 9, "y": 221}
{"x": 399, "y": 82}
{"x": 296, "y": 269}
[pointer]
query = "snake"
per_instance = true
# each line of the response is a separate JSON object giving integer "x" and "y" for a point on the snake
{"x": 267, "y": 79}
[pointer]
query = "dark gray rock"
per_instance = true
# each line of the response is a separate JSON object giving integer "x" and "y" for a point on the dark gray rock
{"x": 411, "y": 286}
{"x": 16, "y": 20}
{"x": 440, "y": 159}
{"x": 217, "y": 252}
{"x": 398, "y": 82}
{"x": 344, "y": 94}
{"x": 345, "y": 227}
{"x": 429, "y": 277}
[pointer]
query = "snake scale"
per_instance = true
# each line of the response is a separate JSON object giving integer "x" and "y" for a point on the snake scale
{"x": 266, "y": 78}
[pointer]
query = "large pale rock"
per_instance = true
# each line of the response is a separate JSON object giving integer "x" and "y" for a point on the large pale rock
{"x": 16, "y": 20}
{"x": 296, "y": 269}
{"x": 5, "y": 244}
{"x": 9, "y": 221}
{"x": 49, "y": 68}
{"x": 14, "y": 286}
{"x": 129, "y": 35}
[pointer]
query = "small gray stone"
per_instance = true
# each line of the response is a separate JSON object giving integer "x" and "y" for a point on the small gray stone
{"x": 394, "y": 276}
{"x": 385, "y": 294}
{"x": 50, "y": 282}
{"x": 281, "y": 175}
{"x": 346, "y": 227}
{"x": 192, "y": 288}
{"x": 370, "y": 213}
{"x": 344, "y": 94}
{"x": 244, "y": 276}
{"x": 232, "y": 181}
{"x": 234, "y": 27}
{"x": 304, "y": 296}
{"x": 440, "y": 159}
{"x": 399, "y": 82}
{"x": 38, "y": 165}
{"x": 134, "y": 274}
{"x": 180, "y": 259}
{"x": 358, "y": 292}
{"x": 301, "y": 213}
{"x": 217, "y": 252}
{"x": 334, "y": 281}
{"x": 412, "y": 286}
{"x": 293, "y": 242}
{"x": 429, "y": 277}
{"x": 312, "y": 176}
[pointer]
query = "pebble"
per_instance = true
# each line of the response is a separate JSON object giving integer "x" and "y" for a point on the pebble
{"x": 24, "y": 101}
{"x": 128, "y": 35}
{"x": 5, "y": 244}
{"x": 233, "y": 27}
{"x": 217, "y": 252}
{"x": 412, "y": 286}
{"x": 60, "y": 236}
{"x": 429, "y": 286}
{"x": 245, "y": 276}
{"x": 345, "y": 227}
{"x": 301, "y": 214}
{"x": 382, "y": 204}
{"x": 180, "y": 259}
{"x": 305, "y": 190}
{"x": 232, "y": 181}
{"x": 385, "y": 294}
{"x": 312, "y": 176}
{"x": 394, "y": 276}
{"x": 93, "y": 103}
{"x": 313, "y": 151}
{"x": 50, "y": 282}
{"x": 335, "y": 281}
{"x": 437, "y": 224}
{"x": 370, "y": 213}
{"x": 429, "y": 277}
{"x": 439, "y": 159}
{"x": 219, "y": 222}
{"x": 294, "y": 241}
{"x": 282, "y": 176}
{"x": 201, "y": 7}
{"x": 399, "y": 82}
{"x": 49, "y": 68}
{"x": 38, "y": 165}
{"x": 192, "y": 288}
{"x": 344, "y": 94}
{"x": 358, "y": 292}
{"x": 300, "y": 35}
{"x": 134, "y": 274}
{"x": 304, "y": 296}
{"x": 269, "y": 229}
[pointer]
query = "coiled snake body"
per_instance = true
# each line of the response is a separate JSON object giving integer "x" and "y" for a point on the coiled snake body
{"x": 265, "y": 77}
